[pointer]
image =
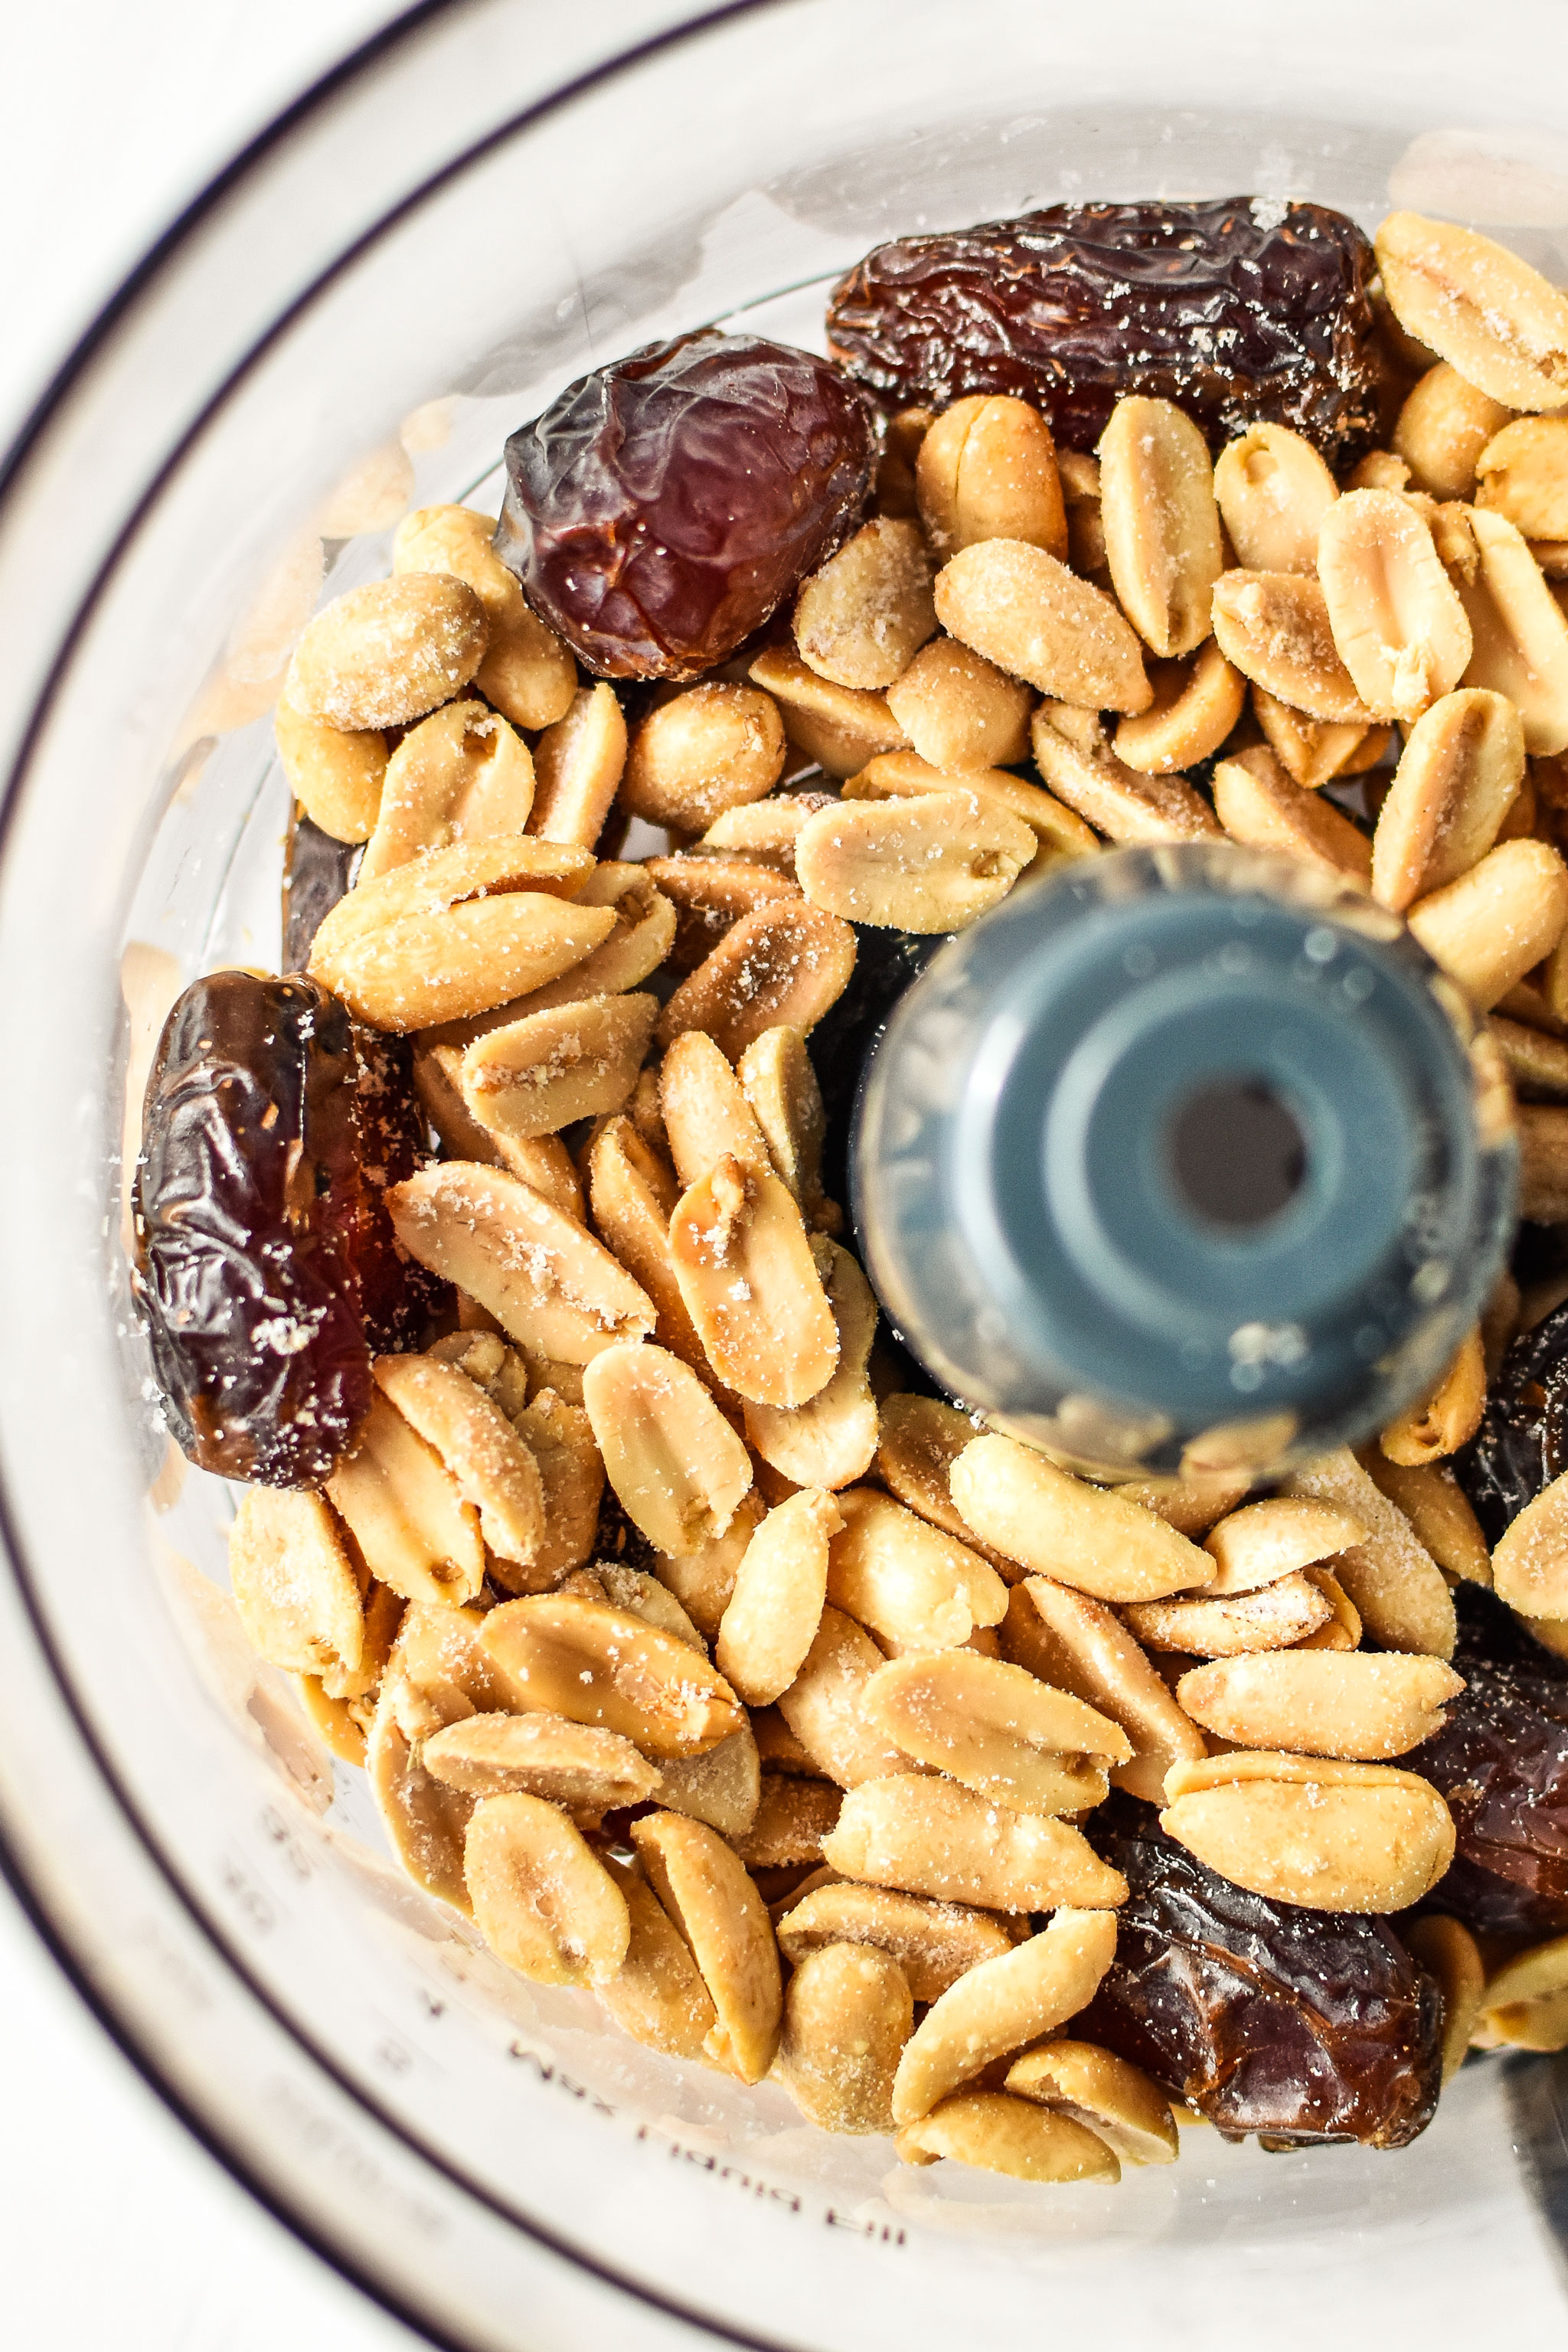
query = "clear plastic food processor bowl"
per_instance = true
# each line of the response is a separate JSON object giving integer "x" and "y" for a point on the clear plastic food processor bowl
{"x": 488, "y": 200}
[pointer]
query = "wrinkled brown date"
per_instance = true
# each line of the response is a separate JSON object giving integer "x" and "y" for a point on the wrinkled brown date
{"x": 1238, "y": 312}
{"x": 661, "y": 508}
{"x": 1501, "y": 1761}
{"x": 265, "y": 1261}
{"x": 1298, "y": 2025}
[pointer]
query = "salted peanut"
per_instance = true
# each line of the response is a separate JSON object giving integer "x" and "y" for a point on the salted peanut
{"x": 455, "y": 931}
{"x": 1543, "y": 1163}
{"x": 549, "y": 1284}
{"x": 1529, "y": 1560}
{"x": 1269, "y": 1618}
{"x": 580, "y": 1766}
{"x": 482, "y": 1454}
{"x": 294, "y": 1585}
{"x": 1312, "y": 752}
{"x": 1496, "y": 921}
{"x": 575, "y": 1061}
{"x": 710, "y": 749}
{"x": 1537, "y": 1064}
{"x": 577, "y": 766}
{"x": 959, "y": 711}
{"x": 1479, "y": 307}
{"x": 1016, "y": 1997}
{"x": 1314, "y": 1702}
{"x": 643, "y": 936}
{"x": 1026, "y": 613}
{"x": 675, "y": 1465}
{"x": 861, "y": 617}
{"x": 1442, "y": 430}
{"x": 907, "y": 1581}
{"x": 656, "y": 1995}
{"x": 705, "y": 1889}
{"x": 782, "y": 1095}
{"x": 1397, "y": 622}
{"x": 1188, "y": 1501}
{"x": 426, "y": 1821}
{"x": 997, "y": 1729}
{"x": 788, "y": 962}
{"x": 1058, "y": 1525}
{"x": 775, "y": 1609}
{"x": 1521, "y": 634}
{"x": 767, "y": 831}
{"x": 722, "y": 1788}
{"x": 1257, "y": 803}
{"x": 1523, "y": 476}
{"x": 335, "y": 776}
{"x": 527, "y": 672}
{"x": 1335, "y": 1836}
{"x": 704, "y": 1579}
{"x": 1107, "y": 2095}
{"x": 710, "y": 894}
{"x": 847, "y": 2015}
{"x": 904, "y": 775}
{"x": 933, "y": 1943}
{"x": 336, "y": 1719}
{"x": 1389, "y": 1575}
{"x": 793, "y": 1817}
{"x": 632, "y": 1192}
{"x": 1273, "y": 490}
{"x": 1456, "y": 780}
{"x": 462, "y": 774}
{"x": 994, "y": 2132}
{"x": 707, "y": 1117}
{"x": 1444, "y": 1419}
{"x": 1342, "y": 1628}
{"x": 543, "y": 1161}
{"x": 645, "y": 1596}
{"x": 918, "y": 1441}
{"x": 559, "y": 1437}
{"x": 1161, "y": 523}
{"x": 1274, "y": 627}
{"x": 929, "y": 1836}
{"x": 1447, "y": 1950}
{"x": 1528, "y": 1990}
{"x": 987, "y": 470}
{"x": 405, "y": 1511}
{"x": 542, "y": 1901}
{"x": 1197, "y": 704}
{"x": 1437, "y": 1509}
{"x": 385, "y": 654}
{"x": 933, "y": 864}
{"x": 751, "y": 1288}
{"x": 1079, "y": 1645}
{"x": 438, "y": 1672}
{"x": 599, "y": 1665}
{"x": 830, "y": 1441}
{"x": 1126, "y": 806}
{"x": 1266, "y": 1540}
{"x": 822, "y": 1709}
{"x": 840, "y": 727}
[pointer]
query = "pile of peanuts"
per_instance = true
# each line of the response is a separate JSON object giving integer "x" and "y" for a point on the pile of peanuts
{"x": 782, "y": 1745}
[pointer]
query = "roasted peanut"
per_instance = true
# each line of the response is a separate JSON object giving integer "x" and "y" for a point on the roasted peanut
{"x": 527, "y": 672}
{"x": 1273, "y": 490}
{"x": 960, "y": 711}
{"x": 929, "y": 1836}
{"x": 722, "y": 1788}
{"x": 544, "y": 1902}
{"x": 1520, "y": 635}
{"x": 764, "y": 831}
{"x": 1312, "y": 751}
{"x": 575, "y": 1061}
{"x": 1161, "y": 523}
{"x": 933, "y": 864}
{"x": 641, "y": 939}
{"x": 334, "y": 775}
{"x": 294, "y": 1585}
{"x": 1529, "y": 1560}
{"x": 460, "y": 775}
{"x": 1496, "y": 921}
{"x": 1197, "y": 705}
{"x": 559, "y": 1437}
{"x": 847, "y": 2015}
{"x": 784, "y": 963}
{"x": 710, "y": 749}
{"x": 1437, "y": 1510}
{"x": 404, "y": 1512}
{"x": 1335, "y": 1836}
{"x": 795, "y": 1813}
{"x": 1112, "y": 2097}
{"x": 577, "y": 766}
{"x": 385, "y": 654}
{"x": 997, "y": 1729}
{"x": 481, "y": 1451}
{"x": 1444, "y": 1419}
{"x": 597, "y": 1664}
{"x": 1523, "y": 476}
{"x": 987, "y": 469}
{"x": 656, "y": 1995}
{"x": 706, "y": 1115}
{"x": 1256, "y": 802}
{"x": 1019, "y": 1997}
{"x": 675, "y": 1462}
{"x": 1081, "y": 1535}
{"x": 751, "y": 1288}
{"x": 860, "y": 620}
{"x": 580, "y": 1766}
{"x": 1125, "y": 804}
{"x": 907, "y": 1580}
{"x": 1479, "y": 307}
{"x": 919, "y": 1439}
{"x": 1269, "y": 1618}
{"x": 904, "y": 775}
{"x": 840, "y": 727}
{"x": 775, "y": 1609}
{"x": 1448, "y": 1951}
{"x": 933, "y": 1943}
{"x": 781, "y": 1090}
{"x": 1391, "y": 1578}
{"x": 711, "y": 894}
{"x": 829, "y": 1441}
{"x": 1442, "y": 430}
{"x": 1319, "y": 1703}
{"x": 705, "y": 1889}
{"x": 997, "y": 2133}
{"x": 1398, "y": 624}
{"x": 1458, "y": 776}
{"x": 703, "y": 1579}
{"x": 1266, "y": 1540}
{"x": 1274, "y": 627}
{"x": 426, "y": 1821}
{"x": 1079, "y": 1645}
{"x": 1033, "y": 618}
{"x": 823, "y": 1704}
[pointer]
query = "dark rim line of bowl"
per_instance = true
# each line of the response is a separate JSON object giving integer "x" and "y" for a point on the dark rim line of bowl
{"x": 87, "y": 351}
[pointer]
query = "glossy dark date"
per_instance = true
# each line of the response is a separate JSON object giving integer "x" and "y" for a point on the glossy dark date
{"x": 1298, "y": 2025}
{"x": 1522, "y": 1442}
{"x": 1238, "y": 311}
{"x": 660, "y": 508}
{"x": 265, "y": 1261}
{"x": 1501, "y": 1761}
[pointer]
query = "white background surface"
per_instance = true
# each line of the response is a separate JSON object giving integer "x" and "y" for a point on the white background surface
{"x": 117, "y": 2231}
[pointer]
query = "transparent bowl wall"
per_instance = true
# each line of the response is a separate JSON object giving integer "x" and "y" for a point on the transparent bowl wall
{"x": 490, "y": 200}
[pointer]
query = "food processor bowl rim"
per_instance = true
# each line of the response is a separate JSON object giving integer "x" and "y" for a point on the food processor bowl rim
{"x": 116, "y": 2011}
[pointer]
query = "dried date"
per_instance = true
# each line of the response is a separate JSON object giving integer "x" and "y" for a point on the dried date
{"x": 1522, "y": 1442}
{"x": 1501, "y": 1761}
{"x": 266, "y": 1266}
{"x": 1238, "y": 311}
{"x": 1300, "y": 2025}
{"x": 662, "y": 507}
